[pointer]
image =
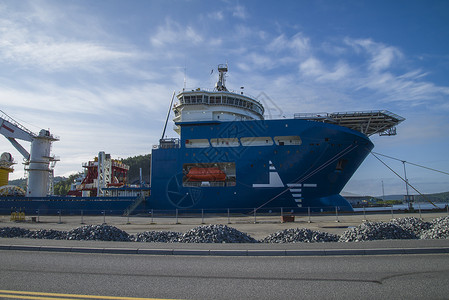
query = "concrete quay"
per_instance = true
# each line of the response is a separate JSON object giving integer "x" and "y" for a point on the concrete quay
{"x": 258, "y": 226}
{"x": 264, "y": 226}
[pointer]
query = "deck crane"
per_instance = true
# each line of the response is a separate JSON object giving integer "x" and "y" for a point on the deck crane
{"x": 38, "y": 161}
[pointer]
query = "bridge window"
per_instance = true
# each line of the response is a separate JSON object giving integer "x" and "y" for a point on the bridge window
{"x": 215, "y": 99}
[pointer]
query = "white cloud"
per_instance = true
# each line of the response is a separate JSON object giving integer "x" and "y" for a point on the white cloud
{"x": 382, "y": 56}
{"x": 23, "y": 45}
{"x": 218, "y": 15}
{"x": 298, "y": 43}
{"x": 94, "y": 100}
{"x": 239, "y": 12}
{"x": 173, "y": 33}
{"x": 316, "y": 69}
{"x": 51, "y": 56}
{"x": 312, "y": 67}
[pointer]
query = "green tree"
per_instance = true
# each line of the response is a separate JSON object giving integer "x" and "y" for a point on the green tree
{"x": 62, "y": 187}
{"x": 135, "y": 163}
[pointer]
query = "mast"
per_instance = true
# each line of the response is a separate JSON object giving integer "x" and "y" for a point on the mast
{"x": 221, "y": 83}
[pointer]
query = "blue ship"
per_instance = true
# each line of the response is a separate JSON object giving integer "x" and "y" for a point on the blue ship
{"x": 228, "y": 156}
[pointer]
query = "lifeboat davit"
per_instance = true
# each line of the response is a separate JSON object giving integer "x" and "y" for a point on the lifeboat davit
{"x": 206, "y": 174}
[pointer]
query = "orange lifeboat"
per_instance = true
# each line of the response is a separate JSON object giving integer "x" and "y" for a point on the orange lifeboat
{"x": 206, "y": 174}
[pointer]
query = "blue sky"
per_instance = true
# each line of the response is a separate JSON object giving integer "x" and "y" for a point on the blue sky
{"x": 100, "y": 74}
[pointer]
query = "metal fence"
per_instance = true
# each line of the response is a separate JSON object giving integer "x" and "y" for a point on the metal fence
{"x": 201, "y": 216}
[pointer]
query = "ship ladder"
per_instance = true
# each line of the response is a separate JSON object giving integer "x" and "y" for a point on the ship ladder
{"x": 134, "y": 205}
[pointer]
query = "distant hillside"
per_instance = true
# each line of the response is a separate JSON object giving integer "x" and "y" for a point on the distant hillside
{"x": 22, "y": 182}
{"x": 438, "y": 197}
{"x": 135, "y": 163}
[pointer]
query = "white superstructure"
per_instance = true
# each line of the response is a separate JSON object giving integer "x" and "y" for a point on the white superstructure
{"x": 217, "y": 105}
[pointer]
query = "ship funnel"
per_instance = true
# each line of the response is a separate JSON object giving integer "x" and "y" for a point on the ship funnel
{"x": 221, "y": 83}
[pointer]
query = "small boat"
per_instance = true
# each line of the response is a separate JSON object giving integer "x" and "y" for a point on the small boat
{"x": 206, "y": 174}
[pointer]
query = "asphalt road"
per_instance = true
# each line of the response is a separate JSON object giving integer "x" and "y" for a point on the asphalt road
{"x": 198, "y": 277}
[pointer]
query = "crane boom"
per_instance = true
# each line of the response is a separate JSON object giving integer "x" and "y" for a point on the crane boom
{"x": 19, "y": 148}
{"x": 12, "y": 129}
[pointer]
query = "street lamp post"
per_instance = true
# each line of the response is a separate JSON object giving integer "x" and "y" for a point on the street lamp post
{"x": 410, "y": 205}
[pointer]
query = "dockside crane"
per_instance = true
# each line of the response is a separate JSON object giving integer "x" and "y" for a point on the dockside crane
{"x": 38, "y": 163}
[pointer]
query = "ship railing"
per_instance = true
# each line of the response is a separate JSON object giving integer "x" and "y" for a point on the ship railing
{"x": 202, "y": 184}
{"x": 368, "y": 112}
{"x": 215, "y": 91}
{"x": 89, "y": 164}
{"x": 323, "y": 116}
{"x": 168, "y": 143}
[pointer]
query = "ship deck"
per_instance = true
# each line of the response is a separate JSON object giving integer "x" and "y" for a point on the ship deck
{"x": 382, "y": 122}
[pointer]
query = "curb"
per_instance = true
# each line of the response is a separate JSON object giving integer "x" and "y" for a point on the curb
{"x": 238, "y": 252}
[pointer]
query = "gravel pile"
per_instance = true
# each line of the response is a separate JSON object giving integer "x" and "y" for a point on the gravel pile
{"x": 157, "y": 236}
{"x": 215, "y": 234}
{"x": 49, "y": 234}
{"x": 402, "y": 228}
{"x": 438, "y": 229}
{"x": 412, "y": 224}
{"x": 300, "y": 235}
{"x": 371, "y": 231}
{"x": 200, "y": 234}
{"x": 12, "y": 232}
{"x": 99, "y": 233}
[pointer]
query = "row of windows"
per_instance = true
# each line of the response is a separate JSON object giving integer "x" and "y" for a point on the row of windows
{"x": 205, "y": 99}
{"x": 244, "y": 141}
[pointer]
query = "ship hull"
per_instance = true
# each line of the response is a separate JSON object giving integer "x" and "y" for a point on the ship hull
{"x": 304, "y": 175}
{"x": 67, "y": 205}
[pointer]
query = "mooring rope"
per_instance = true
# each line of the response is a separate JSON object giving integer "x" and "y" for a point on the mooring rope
{"x": 406, "y": 182}
{"x": 404, "y": 161}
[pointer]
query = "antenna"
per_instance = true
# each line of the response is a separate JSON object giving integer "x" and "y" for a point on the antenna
{"x": 221, "y": 83}
{"x": 185, "y": 75}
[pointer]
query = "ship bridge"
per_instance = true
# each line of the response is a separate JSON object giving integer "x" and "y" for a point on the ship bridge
{"x": 219, "y": 104}
{"x": 380, "y": 122}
